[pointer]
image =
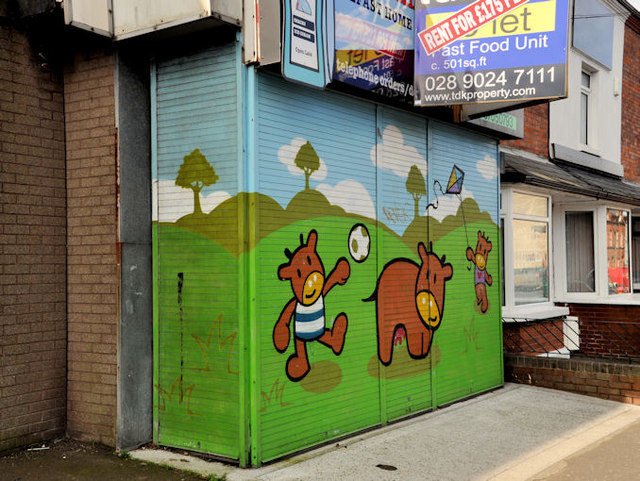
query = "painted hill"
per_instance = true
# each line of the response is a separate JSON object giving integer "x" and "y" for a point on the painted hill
{"x": 428, "y": 227}
{"x": 227, "y": 220}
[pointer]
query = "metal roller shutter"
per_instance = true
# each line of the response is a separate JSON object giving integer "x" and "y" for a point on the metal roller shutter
{"x": 337, "y": 396}
{"x": 366, "y": 165}
{"x": 342, "y": 193}
{"x": 198, "y": 291}
{"x": 402, "y": 194}
{"x": 469, "y": 340}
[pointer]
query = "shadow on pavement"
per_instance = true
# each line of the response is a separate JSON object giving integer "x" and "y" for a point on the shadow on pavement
{"x": 68, "y": 460}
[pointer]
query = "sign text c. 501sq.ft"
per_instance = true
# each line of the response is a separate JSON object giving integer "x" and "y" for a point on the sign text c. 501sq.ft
{"x": 490, "y": 51}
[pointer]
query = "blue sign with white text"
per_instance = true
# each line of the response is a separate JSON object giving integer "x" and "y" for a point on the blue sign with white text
{"x": 518, "y": 55}
{"x": 374, "y": 46}
{"x": 303, "y": 55}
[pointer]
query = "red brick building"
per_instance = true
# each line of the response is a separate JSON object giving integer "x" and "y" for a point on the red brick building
{"x": 582, "y": 155}
{"x": 631, "y": 99}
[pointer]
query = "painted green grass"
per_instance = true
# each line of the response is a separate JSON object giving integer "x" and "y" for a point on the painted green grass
{"x": 221, "y": 224}
{"x": 199, "y": 375}
{"x": 198, "y": 382}
{"x": 467, "y": 339}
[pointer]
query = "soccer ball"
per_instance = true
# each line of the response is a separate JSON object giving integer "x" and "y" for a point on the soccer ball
{"x": 359, "y": 243}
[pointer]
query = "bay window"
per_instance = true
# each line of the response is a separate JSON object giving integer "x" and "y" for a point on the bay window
{"x": 593, "y": 242}
{"x": 580, "y": 260}
{"x": 571, "y": 250}
{"x": 527, "y": 230}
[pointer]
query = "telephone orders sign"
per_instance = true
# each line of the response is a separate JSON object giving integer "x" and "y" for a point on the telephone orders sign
{"x": 475, "y": 51}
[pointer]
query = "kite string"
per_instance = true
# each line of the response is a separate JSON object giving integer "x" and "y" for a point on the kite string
{"x": 435, "y": 206}
{"x": 431, "y": 204}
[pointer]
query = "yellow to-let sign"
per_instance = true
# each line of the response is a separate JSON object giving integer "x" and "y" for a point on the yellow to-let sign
{"x": 529, "y": 18}
{"x": 356, "y": 57}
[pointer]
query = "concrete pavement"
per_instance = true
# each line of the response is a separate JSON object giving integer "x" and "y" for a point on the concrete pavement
{"x": 614, "y": 458}
{"x": 515, "y": 433}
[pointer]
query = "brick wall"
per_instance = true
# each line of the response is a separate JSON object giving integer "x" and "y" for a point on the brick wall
{"x": 631, "y": 101}
{"x": 607, "y": 380}
{"x": 608, "y": 330}
{"x": 535, "y": 337}
{"x": 536, "y": 131}
{"x": 32, "y": 247}
{"x": 92, "y": 248}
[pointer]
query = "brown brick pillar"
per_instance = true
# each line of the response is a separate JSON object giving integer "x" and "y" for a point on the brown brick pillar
{"x": 92, "y": 246}
{"x": 32, "y": 246}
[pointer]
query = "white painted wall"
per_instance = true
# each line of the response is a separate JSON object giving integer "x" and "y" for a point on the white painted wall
{"x": 607, "y": 95}
{"x": 127, "y": 18}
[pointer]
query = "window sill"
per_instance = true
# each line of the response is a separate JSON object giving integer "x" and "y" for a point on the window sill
{"x": 588, "y": 149}
{"x": 542, "y": 311}
{"x": 617, "y": 300}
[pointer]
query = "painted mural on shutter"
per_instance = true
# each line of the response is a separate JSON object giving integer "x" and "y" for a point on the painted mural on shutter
{"x": 463, "y": 215}
{"x": 405, "y": 374}
{"x": 196, "y": 213}
{"x": 361, "y": 238}
{"x": 314, "y": 160}
{"x": 357, "y": 244}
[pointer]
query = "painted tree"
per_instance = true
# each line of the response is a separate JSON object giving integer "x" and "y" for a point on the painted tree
{"x": 195, "y": 173}
{"x": 416, "y": 187}
{"x": 308, "y": 161}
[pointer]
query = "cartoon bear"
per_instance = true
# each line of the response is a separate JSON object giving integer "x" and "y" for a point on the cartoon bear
{"x": 306, "y": 274}
{"x": 410, "y": 297}
{"x": 482, "y": 277}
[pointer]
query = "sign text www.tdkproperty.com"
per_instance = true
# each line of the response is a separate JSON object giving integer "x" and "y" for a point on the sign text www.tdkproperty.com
{"x": 489, "y": 50}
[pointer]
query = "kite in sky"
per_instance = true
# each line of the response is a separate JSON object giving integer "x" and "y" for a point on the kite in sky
{"x": 454, "y": 186}
{"x": 455, "y": 181}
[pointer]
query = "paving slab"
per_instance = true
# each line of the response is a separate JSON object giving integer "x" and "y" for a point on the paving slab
{"x": 513, "y": 433}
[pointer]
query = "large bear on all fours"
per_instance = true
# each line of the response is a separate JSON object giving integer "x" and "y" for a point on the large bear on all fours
{"x": 482, "y": 278}
{"x": 410, "y": 297}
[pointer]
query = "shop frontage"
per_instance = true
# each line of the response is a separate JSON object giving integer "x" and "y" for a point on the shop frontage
{"x": 323, "y": 264}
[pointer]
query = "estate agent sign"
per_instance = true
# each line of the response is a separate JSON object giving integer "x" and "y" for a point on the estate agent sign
{"x": 489, "y": 50}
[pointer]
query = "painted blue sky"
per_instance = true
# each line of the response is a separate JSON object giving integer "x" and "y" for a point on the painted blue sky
{"x": 348, "y": 174}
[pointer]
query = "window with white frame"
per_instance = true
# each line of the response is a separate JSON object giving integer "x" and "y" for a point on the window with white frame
{"x": 585, "y": 107}
{"x": 527, "y": 231}
{"x": 593, "y": 242}
{"x": 635, "y": 250}
{"x": 618, "y": 251}
{"x": 579, "y": 248}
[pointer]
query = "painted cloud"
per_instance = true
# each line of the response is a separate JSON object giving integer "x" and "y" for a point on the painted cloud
{"x": 397, "y": 156}
{"x": 488, "y": 167}
{"x": 352, "y": 196}
{"x": 176, "y": 202}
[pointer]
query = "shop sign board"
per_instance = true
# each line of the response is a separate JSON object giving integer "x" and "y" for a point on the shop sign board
{"x": 510, "y": 123}
{"x": 374, "y": 44}
{"x": 303, "y": 56}
{"x": 476, "y": 51}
